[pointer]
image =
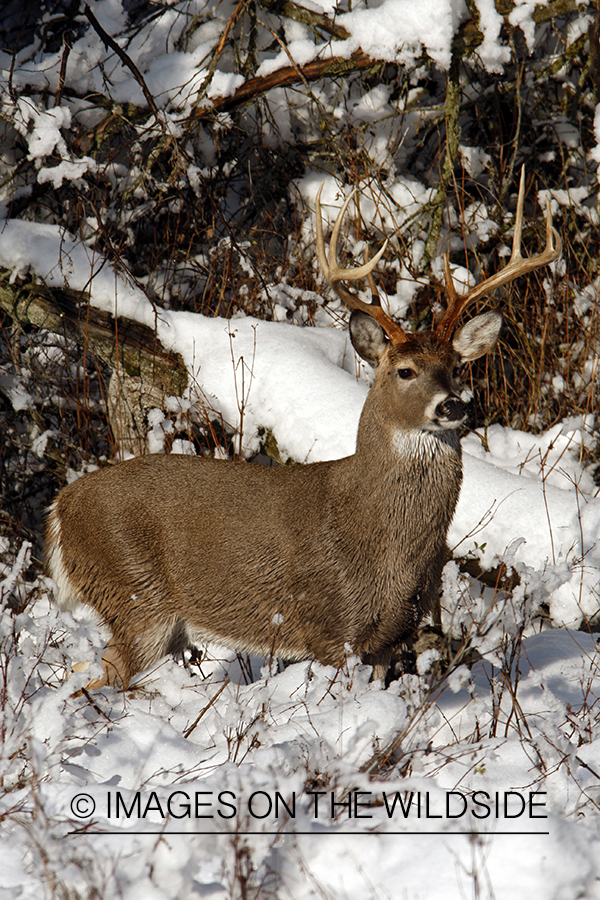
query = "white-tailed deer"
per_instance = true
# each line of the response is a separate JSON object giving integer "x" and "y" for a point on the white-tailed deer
{"x": 295, "y": 562}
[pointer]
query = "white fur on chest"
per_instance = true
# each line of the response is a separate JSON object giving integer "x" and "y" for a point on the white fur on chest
{"x": 424, "y": 445}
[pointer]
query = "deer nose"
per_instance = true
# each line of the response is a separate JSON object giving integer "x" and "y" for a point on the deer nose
{"x": 452, "y": 409}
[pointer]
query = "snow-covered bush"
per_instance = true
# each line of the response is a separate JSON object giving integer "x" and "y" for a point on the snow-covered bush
{"x": 158, "y": 169}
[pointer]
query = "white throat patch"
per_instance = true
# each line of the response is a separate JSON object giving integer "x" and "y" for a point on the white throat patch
{"x": 422, "y": 444}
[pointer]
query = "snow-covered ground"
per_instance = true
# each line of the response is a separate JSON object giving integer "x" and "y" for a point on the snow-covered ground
{"x": 231, "y": 780}
{"x": 486, "y": 784}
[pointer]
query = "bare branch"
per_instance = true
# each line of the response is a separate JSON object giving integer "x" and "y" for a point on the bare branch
{"x": 125, "y": 59}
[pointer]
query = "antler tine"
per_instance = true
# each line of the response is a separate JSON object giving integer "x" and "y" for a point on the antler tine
{"x": 517, "y": 265}
{"x": 375, "y": 298}
{"x": 335, "y": 274}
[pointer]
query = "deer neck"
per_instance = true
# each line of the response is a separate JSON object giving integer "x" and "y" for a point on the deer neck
{"x": 397, "y": 499}
{"x": 378, "y": 435}
{"x": 427, "y": 463}
{"x": 418, "y": 448}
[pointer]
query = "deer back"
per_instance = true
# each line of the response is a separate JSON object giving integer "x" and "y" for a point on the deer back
{"x": 297, "y": 562}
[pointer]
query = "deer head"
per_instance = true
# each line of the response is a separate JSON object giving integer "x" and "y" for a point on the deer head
{"x": 425, "y": 363}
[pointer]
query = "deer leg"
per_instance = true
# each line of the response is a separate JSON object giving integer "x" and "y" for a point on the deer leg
{"x": 116, "y": 672}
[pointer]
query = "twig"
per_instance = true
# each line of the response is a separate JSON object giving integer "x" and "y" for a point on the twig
{"x": 210, "y": 703}
{"x": 306, "y": 17}
{"x": 63, "y": 68}
{"x": 219, "y": 50}
{"x": 125, "y": 59}
{"x": 452, "y": 108}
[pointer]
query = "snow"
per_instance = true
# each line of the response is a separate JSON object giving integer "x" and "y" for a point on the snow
{"x": 595, "y": 152}
{"x": 300, "y": 51}
{"x": 490, "y": 23}
{"x": 522, "y": 15}
{"x": 301, "y": 384}
{"x": 42, "y": 128}
{"x": 62, "y": 260}
{"x": 397, "y": 29}
{"x": 525, "y": 500}
{"x": 253, "y": 749}
{"x": 66, "y": 170}
{"x": 517, "y": 721}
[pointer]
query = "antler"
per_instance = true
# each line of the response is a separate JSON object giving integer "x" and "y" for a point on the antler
{"x": 517, "y": 265}
{"x": 335, "y": 275}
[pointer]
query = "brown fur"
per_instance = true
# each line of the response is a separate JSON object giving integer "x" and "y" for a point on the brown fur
{"x": 297, "y": 562}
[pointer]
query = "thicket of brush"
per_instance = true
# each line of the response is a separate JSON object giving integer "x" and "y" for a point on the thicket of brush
{"x": 198, "y": 200}
{"x": 208, "y": 217}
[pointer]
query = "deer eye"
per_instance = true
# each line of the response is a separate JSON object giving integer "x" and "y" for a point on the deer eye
{"x": 456, "y": 371}
{"x": 406, "y": 374}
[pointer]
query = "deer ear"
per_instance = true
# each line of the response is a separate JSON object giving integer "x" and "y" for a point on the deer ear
{"x": 478, "y": 336}
{"x": 368, "y": 337}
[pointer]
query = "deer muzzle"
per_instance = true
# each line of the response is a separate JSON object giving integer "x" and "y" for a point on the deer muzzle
{"x": 451, "y": 410}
